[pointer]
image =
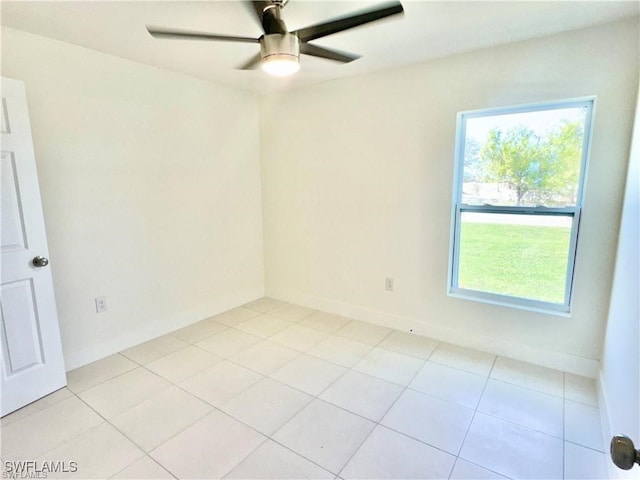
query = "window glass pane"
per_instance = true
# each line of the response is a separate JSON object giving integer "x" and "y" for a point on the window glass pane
{"x": 524, "y": 159}
{"x": 517, "y": 255}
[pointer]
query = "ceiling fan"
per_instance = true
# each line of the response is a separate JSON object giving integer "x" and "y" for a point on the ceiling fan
{"x": 280, "y": 49}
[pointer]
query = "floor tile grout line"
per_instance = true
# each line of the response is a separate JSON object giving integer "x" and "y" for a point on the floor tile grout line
{"x": 72, "y": 393}
{"x": 186, "y": 344}
{"x": 604, "y": 452}
{"x": 482, "y": 467}
{"x": 142, "y": 364}
{"x": 225, "y": 327}
{"x": 517, "y": 385}
{"x": 245, "y": 457}
{"x": 132, "y": 406}
{"x": 442, "y": 364}
{"x": 150, "y": 458}
{"x": 68, "y": 440}
{"x": 270, "y": 437}
{"x": 355, "y": 452}
{"x": 376, "y": 424}
{"x": 151, "y": 398}
{"x": 475, "y": 410}
{"x": 300, "y": 455}
{"x": 214, "y": 408}
{"x": 108, "y": 379}
{"x": 379, "y": 422}
{"x": 404, "y": 434}
{"x": 537, "y": 390}
{"x": 316, "y": 396}
{"x": 108, "y": 422}
{"x": 218, "y": 408}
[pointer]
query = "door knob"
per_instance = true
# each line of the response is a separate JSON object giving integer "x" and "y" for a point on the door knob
{"x": 624, "y": 453}
{"x": 40, "y": 261}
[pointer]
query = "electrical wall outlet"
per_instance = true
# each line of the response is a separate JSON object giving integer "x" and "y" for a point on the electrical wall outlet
{"x": 101, "y": 304}
{"x": 388, "y": 284}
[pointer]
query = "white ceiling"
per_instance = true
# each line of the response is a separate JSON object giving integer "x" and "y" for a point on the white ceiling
{"x": 428, "y": 30}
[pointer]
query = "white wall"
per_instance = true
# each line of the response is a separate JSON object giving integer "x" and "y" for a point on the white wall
{"x": 357, "y": 180}
{"x": 620, "y": 368}
{"x": 151, "y": 189}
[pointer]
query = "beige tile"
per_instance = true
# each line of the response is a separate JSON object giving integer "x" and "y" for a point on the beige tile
{"x": 298, "y": 337}
{"x": 530, "y": 408}
{"x": 364, "y": 332}
{"x": 153, "y": 349}
{"x": 90, "y": 375}
{"x": 228, "y": 343}
{"x": 326, "y": 322}
{"x": 210, "y": 448}
{"x": 267, "y": 405}
{"x": 463, "y": 388}
{"x": 157, "y": 419}
{"x": 144, "y": 468}
{"x": 340, "y": 350}
{"x": 309, "y": 374}
{"x": 291, "y": 312}
{"x": 582, "y": 463}
{"x": 129, "y": 389}
{"x": 464, "y": 470}
{"x": 512, "y": 450}
{"x": 325, "y": 434}
{"x": 388, "y": 454}
{"x": 270, "y": 461}
{"x": 580, "y": 389}
{"x": 433, "y": 421}
{"x": 582, "y": 425}
{"x": 409, "y": 344}
{"x": 31, "y": 436}
{"x": 265, "y": 357}
{"x": 221, "y": 382}
{"x": 199, "y": 331}
{"x": 462, "y": 358}
{"x": 391, "y": 366}
{"x": 263, "y": 326}
{"x": 36, "y": 406}
{"x": 263, "y": 305}
{"x": 359, "y": 393}
{"x": 530, "y": 376}
{"x": 184, "y": 363}
{"x": 234, "y": 317}
{"x": 100, "y": 453}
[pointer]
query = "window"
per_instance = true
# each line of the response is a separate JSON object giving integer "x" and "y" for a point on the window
{"x": 518, "y": 192}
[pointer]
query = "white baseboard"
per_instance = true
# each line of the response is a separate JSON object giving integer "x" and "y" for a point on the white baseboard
{"x": 155, "y": 329}
{"x": 551, "y": 359}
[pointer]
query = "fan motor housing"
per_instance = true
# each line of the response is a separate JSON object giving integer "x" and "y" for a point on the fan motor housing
{"x": 280, "y": 44}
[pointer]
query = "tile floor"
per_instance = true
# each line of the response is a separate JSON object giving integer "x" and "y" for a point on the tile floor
{"x": 274, "y": 390}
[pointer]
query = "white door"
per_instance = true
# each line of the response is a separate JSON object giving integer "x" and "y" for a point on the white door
{"x": 620, "y": 372}
{"x": 32, "y": 362}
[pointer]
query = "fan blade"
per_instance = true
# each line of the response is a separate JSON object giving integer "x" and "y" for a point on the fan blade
{"x": 252, "y": 63}
{"x": 327, "y": 53}
{"x": 161, "y": 32}
{"x": 344, "y": 23}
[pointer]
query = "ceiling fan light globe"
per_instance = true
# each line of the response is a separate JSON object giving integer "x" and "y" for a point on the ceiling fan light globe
{"x": 280, "y": 65}
{"x": 280, "y": 54}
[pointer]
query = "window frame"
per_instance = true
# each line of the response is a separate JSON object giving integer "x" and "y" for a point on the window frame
{"x": 575, "y": 212}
